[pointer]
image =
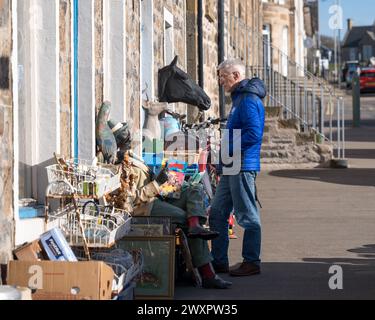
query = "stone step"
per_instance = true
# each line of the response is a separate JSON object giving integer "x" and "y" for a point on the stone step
{"x": 279, "y": 154}
{"x": 303, "y": 84}
{"x": 285, "y": 161}
{"x": 272, "y": 147}
{"x": 280, "y": 133}
{"x": 273, "y": 112}
{"x": 283, "y": 141}
{"x": 283, "y": 91}
{"x": 271, "y": 122}
{"x": 287, "y": 124}
{"x": 286, "y": 134}
{"x": 304, "y": 138}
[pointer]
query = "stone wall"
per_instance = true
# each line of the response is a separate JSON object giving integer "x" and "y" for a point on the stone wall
{"x": 66, "y": 103}
{"x": 210, "y": 53}
{"x": 241, "y": 41}
{"x": 99, "y": 77}
{"x": 178, "y": 10}
{"x": 6, "y": 135}
{"x": 192, "y": 49}
{"x": 65, "y": 78}
{"x": 186, "y": 45}
{"x": 133, "y": 64}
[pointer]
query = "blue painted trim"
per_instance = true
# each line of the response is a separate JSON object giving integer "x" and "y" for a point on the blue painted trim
{"x": 31, "y": 212}
{"x": 75, "y": 75}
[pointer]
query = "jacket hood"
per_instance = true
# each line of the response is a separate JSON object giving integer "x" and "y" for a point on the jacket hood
{"x": 254, "y": 86}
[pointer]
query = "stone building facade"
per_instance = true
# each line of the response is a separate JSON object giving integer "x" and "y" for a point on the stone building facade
{"x": 63, "y": 58}
{"x": 284, "y": 27}
{"x": 65, "y": 76}
{"x": 311, "y": 22}
{"x": 243, "y": 25}
{"x": 6, "y": 134}
{"x": 57, "y": 58}
{"x": 68, "y": 56}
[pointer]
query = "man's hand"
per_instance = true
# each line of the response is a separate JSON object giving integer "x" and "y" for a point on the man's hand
{"x": 162, "y": 176}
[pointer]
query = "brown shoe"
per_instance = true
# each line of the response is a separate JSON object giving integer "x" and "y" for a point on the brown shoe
{"x": 245, "y": 269}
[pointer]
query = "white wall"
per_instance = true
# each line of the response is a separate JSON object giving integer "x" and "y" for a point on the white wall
{"x": 38, "y": 87}
{"x": 36, "y": 100}
{"x": 115, "y": 57}
{"x": 86, "y": 80}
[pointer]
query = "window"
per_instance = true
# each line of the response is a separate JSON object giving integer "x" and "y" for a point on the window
{"x": 168, "y": 37}
{"x": 353, "y": 54}
{"x": 267, "y": 44}
{"x": 367, "y": 52}
{"x": 285, "y": 51}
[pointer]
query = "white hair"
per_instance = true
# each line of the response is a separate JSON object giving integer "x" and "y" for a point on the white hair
{"x": 232, "y": 65}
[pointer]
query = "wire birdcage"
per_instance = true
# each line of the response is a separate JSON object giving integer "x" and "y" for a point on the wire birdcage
{"x": 101, "y": 226}
{"x": 82, "y": 178}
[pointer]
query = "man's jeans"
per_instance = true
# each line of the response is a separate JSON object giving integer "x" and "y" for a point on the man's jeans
{"x": 236, "y": 192}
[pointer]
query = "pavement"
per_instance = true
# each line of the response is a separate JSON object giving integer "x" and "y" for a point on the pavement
{"x": 313, "y": 219}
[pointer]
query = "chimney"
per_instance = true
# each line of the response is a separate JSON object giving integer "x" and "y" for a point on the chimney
{"x": 350, "y": 24}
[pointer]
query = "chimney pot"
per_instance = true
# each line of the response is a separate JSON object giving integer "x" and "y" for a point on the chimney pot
{"x": 350, "y": 24}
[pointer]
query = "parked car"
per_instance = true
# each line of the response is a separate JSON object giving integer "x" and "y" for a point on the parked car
{"x": 367, "y": 80}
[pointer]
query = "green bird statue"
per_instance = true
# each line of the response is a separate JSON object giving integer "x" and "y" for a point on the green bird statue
{"x": 105, "y": 140}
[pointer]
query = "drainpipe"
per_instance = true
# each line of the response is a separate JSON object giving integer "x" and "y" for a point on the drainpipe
{"x": 75, "y": 77}
{"x": 200, "y": 44}
{"x": 220, "y": 10}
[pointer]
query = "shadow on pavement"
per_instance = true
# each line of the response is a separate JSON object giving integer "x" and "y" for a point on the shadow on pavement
{"x": 307, "y": 280}
{"x": 367, "y": 95}
{"x": 367, "y": 251}
{"x": 360, "y": 153}
{"x": 354, "y": 177}
{"x": 366, "y": 255}
{"x": 364, "y": 133}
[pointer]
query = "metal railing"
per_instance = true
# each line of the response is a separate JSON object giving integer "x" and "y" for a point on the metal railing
{"x": 300, "y": 94}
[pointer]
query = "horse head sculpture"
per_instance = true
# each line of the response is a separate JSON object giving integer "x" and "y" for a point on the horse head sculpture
{"x": 176, "y": 86}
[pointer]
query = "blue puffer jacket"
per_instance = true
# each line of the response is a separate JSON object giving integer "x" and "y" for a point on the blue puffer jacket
{"x": 247, "y": 114}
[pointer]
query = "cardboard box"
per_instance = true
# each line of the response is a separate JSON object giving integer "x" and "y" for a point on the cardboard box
{"x": 56, "y": 246}
{"x": 60, "y": 280}
{"x": 31, "y": 251}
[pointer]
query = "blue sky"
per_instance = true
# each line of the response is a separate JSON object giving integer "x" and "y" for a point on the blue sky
{"x": 361, "y": 11}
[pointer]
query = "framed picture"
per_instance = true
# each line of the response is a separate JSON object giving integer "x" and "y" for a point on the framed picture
{"x": 157, "y": 277}
{"x": 150, "y": 226}
{"x": 146, "y": 230}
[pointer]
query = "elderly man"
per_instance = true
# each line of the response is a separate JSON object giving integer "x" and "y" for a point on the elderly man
{"x": 236, "y": 189}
